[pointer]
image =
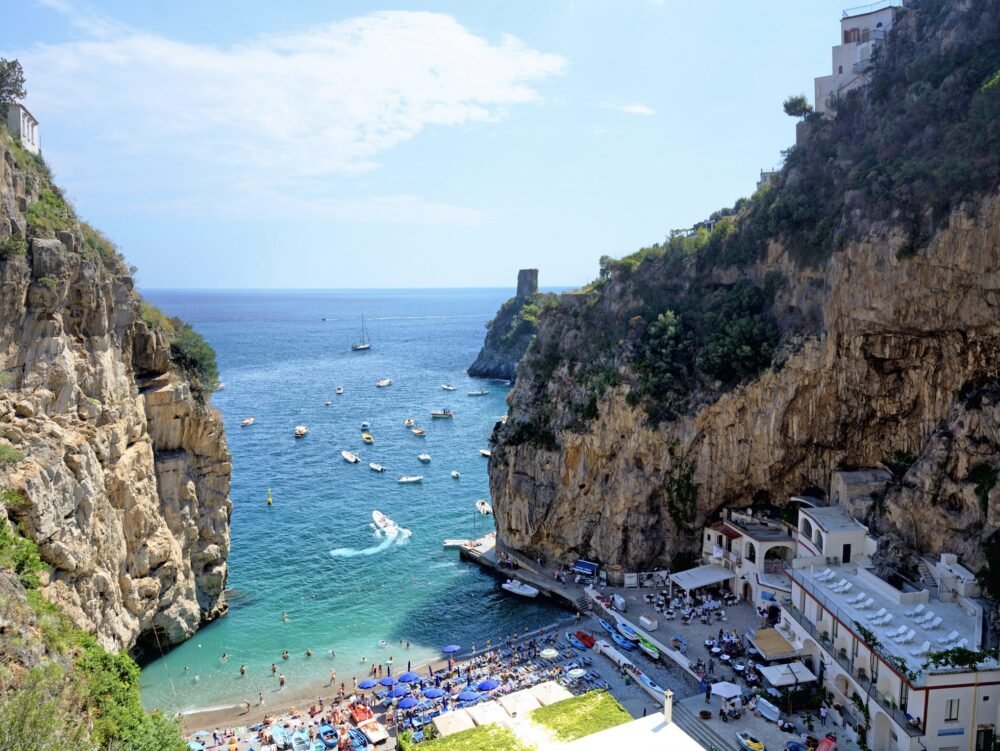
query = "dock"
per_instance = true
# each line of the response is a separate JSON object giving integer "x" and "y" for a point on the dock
{"x": 482, "y": 551}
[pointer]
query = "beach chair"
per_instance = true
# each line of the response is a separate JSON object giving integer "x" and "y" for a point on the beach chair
{"x": 855, "y": 599}
{"x": 936, "y": 623}
{"x": 417, "y": 737}
{"x": 866, "y": 604}
{"x": 845, "y": 589}
{"x": 876, "y": 616}
{"x": 893, "y": 632}
{"x": 914, "y": 612}
{"x": 822, "y": 577}
{"x": 953, "y": 636}
{"x": 925, "y": 618}
{"x": 906, "y": 638}
{"x": 962, "y": 644}
{"x": 921, "y": 650}
{"x": 885, "y": 620}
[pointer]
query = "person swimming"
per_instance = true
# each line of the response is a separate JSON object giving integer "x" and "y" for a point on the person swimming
{"x": 284, "y": 655}
{"x": 284, "y": 616}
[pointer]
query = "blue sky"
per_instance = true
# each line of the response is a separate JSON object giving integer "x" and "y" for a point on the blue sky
{"x": 250, "y": 143}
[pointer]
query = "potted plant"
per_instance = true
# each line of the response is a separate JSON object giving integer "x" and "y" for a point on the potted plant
{"x": 705, "y": 714}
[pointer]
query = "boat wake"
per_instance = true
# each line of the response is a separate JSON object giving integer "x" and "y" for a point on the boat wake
{"x": 388, "y": 538}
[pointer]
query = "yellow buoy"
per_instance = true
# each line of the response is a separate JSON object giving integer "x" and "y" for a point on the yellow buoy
{"x": 268, "y": 496}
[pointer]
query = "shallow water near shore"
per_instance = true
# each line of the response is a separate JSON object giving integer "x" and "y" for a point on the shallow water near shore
{"x": 314, "y": 553}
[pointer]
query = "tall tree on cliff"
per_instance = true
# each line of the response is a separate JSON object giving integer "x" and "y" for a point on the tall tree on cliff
{"x": 11, "y": 84}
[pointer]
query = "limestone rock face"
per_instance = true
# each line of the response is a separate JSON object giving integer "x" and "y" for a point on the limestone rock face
{"x": 893, "y": 343}
{"x": 124, "y": 474}
{"x": 511, "y": 331}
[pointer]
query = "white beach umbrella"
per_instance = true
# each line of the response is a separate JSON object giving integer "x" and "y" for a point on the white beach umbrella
{"x": 726, "y": 690}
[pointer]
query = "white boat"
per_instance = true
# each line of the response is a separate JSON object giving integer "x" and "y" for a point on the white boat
{"x": 300, "y": 431}
{"x": 482, "y": 392}
{"x": 407, "y": 479}
{"x": 448, "y": 387}
{"x": 350, "y": 456}
{"x": 376, "y": 467}
{"x": 424, "y": 457}
{"x": 365, "y": 342}
{"x": 248, "y": 422}
{"x": 419, "y": 432}
{"x": 383, "y": 382}
{"x": 485, "y": 452}
{"x": 382, "y": 521}
{"x": 519, "y": 588}
{"x": 440, "y": 413}
{"x": 339, "y": 389}
{"x": 455, "y": 474}
{"x": 483, "y": 507}
{"x": 374, "y": 732}
{"x": 366, "y": 425}
{"x": 408, "y": 422}
{"x": 327, "y": 403}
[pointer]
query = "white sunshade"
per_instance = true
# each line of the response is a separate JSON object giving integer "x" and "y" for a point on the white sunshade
{"x": 726, "y": 690}
{"x": 702, "y": 576}
{"x": 791, "y": 674}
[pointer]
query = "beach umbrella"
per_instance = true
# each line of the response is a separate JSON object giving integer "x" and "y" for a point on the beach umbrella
{"x": 195, "y": 746}
{"x": 409, "y": 678}
{"x": 488, "y": 685}
{"x": 434, "y": 693}
{"x": 408, "y": 703}
{"x": 726, "y": 690}
{"x": 367, "y": 683}
{"x": 389, "y": 681}
{"x": 399, "y": 691}
{"x": 450, "y": 648}
{"x": 577, "y": 673}
{"x": 548, "y": 653}
{"x": 468, "y": 696}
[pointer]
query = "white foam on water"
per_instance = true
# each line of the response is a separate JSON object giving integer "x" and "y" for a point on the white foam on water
{"x": 389, "y": 537}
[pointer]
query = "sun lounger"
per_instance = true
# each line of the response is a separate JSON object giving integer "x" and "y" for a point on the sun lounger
{"x": 885, "y": 620}
{"x": 907, "y": 638}
{"x": 866, "y": 604}
{"x": 875, "y": 616}
{"x": 962, "y": 644}
{"x": 921, "y": 650}
{"x": 845, "y": 589}
{"x": 822, "y": 577}
{"x": 836, "y": 587}
{"x": 926, "y": 618}
{"x": 936, "y": 623}
{"x": 893, "y": 632}
{"x": 953, "y": 636}
{"x": 860, "y": 596}
{"x": 914, "y": 612}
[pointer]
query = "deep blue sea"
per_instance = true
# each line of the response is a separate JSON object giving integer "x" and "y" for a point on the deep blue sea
{"x": 314, "y": 553}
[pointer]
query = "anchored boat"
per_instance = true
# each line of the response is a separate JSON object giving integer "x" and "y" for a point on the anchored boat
{"x": 408, "y": 479}
{"x": 520, "y": 588}
{"x": 448, "y": 387}
{"x": 383, "y": 382}
{"x": 438, "y": 414}
{"x": 376, "y": 467}
{"x": 248, "y": 422}
{"x": 483, "y": 507}
{"x": 365, "y": 342}
{"x": 350, "y": 456}
{"x": 300, "y": 431}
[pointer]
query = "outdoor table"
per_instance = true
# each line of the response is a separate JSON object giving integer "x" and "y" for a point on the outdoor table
{"x": 718, "y": 650}
{"x": 725, "y": 658}
{"x": 739, "y": 668}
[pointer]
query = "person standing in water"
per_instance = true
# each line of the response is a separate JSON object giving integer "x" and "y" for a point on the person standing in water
{"x": 281, "y": 680}
{"x": 284, "y": 617}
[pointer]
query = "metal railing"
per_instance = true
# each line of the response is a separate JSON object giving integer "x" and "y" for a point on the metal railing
{"x": 872, "y": 7}
{"x": 863, "y": 65}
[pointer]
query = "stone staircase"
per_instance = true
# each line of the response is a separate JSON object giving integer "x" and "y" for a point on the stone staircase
{"x": 703, "y": 733}
{"x": 926, "y": 574}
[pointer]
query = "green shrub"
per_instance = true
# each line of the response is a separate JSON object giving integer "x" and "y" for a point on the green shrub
{"x": 13, "y": 247}
{"x": 49, "y": 214}
{"x": 195, "y": 356}
{"x": 582, "y": 715}
{"x": 49, "y": 282}
{"x": 11, "y": 498}
{"x": 43, "y": 714}
{"x": 156, "y": 319}
{"x": 9, "y": 454}
{"x": 985, "y": 479}
{"x": 19, "y": 554}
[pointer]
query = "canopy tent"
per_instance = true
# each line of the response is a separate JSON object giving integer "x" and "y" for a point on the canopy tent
{"x": 772, "y": 645}
{"x": 701, "y": 576}
{"x": 726, "y": 690}
{"x": 792, "y": 674}
{"x": 585, "y": 567}
{"x": 453, "y": 722}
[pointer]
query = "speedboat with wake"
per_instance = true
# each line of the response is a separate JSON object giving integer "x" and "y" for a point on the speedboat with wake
{"x": 425, "y": 458}
{"x": 350, "y": 456}
{"x": 410, "y": 479}
{"x": 482, "y": 392}
{"x": 383, "y": 522}
{"x": 449, "y": 387}
{"x": 520, "y": 588}
{"x": 483, "y": 507}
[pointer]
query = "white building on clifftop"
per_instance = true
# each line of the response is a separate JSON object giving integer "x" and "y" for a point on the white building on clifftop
{"x": 862, "y": 31}
{"x": 23, "y": 126}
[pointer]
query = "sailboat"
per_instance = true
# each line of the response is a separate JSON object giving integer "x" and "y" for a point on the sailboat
{"x": 365, "y": 342}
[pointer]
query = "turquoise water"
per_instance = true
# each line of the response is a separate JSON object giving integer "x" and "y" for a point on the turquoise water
{"x": 314, "y": 553}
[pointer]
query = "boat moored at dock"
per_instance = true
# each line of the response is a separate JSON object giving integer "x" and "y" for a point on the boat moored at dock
{"x": 520, "y": 588}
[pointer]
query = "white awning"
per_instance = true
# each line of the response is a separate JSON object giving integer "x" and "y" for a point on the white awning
{"x": 794, "y": 673}
{"x": 702, "y": 576}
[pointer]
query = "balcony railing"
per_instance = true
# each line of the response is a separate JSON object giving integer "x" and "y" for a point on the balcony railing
{"x": 863, "y": 65}
{"x": 872, "y": 7}
{"x": 863, "y": 682}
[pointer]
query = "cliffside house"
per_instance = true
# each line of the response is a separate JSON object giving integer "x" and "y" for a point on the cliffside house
{"x": 862, "y": 31}
{"x": 23, "y": 126}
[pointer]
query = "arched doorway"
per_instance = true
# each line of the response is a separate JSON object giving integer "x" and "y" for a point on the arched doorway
{"x": 747, "y": 592}
{"x": 881, "y": 731}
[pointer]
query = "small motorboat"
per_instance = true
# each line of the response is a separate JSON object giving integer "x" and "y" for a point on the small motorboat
{"x": 574, "y": 642}
{"x": 485, "y": 452}
{"x": 627, "y": 631}
{"x": 280, "y": 736}
{"x": 425, "y": 458}
{"x": 327, "y": 403}
{"x": 248, "y": 422}
{"x": 301, "y": 740}
{"x": 408, "y": 422}
{"x": 300, "y": 431}
{"x": 366, "y": 425}
{"x": 376, "y": 467}
{"x": 383, "y": 382}
{"x": 339, "y": 390}
{"x": 622, "y": 642}
{"x": 438, "y": 414}
{"x": 383, "y": 522}
{"x": 327, "y": 735}
{"x": 358, "y": 740}
{"x": 586, "y": 639}
{"x": 483, "y": 392}
{"x": 408, "y": 479}
{"x": 607, "y": 626}
{"x": 368, "y": 438}
{"x": 455, "y": 474}
{"x": 519, "y": 588}
{"x": 350, "y": 456}
{"x": 749, "y": 742}
{"x": 419, "y": 432}
{"x": 374, "y": 732}
{"x": 483, "y": 507}
{"x": 448, "y": 387}
{"x": 649, "y": 648}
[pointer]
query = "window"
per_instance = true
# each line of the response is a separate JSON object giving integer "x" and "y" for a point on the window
{"x": 840, "y": 70}
{"x": 708, "y": 538}
{"x": 951, "y": 710}
{"x": 836, "y": 628}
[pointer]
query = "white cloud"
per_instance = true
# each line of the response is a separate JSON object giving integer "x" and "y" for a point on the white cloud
{"x": 632, "y": 109}
{"x": 286, "y": 115}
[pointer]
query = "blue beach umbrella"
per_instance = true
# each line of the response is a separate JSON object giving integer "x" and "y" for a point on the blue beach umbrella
{"x": 434, "y": 693}
{"x": 488, "y": 685}
{"x": 409, "y": 678}
{"x": 399, "y": 691}
{"x": 408, "y": 703}
{"x": 450, "y": 648}
{"x": 389, "y": 681}
{"x": 468, "y": 696}
{"x": 367, "y": 683}
{"x": 195, "y": 746}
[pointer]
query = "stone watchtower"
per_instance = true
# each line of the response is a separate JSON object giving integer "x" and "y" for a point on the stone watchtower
{"x": 527, "y": 282}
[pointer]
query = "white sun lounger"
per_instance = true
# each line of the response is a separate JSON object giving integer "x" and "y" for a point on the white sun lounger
{"x": 884, "y": 620}
{"x": 907, "y": 638}
{"x": 914, "y": 612}
{"x": 855, "y": 599}
{"x": 836, "y": 587}
{"x": 875, "y": 616}
{"x": 933, "y": 624}
{"x": 845, "y": 589}
{"x": 921, "y": 650}
{"x": 866, "y": 604}
{"x": 962, "y": 644}
{"x": 822, "y": 577}
{"x": 953, "y": 636}
{"x": 893, "y": 632}
{"x": 926, "y": 618}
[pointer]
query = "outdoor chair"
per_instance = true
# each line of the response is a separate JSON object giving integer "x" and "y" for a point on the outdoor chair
{"x": 962, "y": 644}
{"x": 876, "y": 616}
{"x": 866, "y": 604}
{"x": 953, "y": 636}
{"x": 921, "y": 650}
{"x": 894, "y": 632}
{"x": 914, "y": 612}
{"x": 936, "y": 623}
{"x": 845, "y": 589}
{"x": 822, "y": 577}
{"x": 907, "y": 638}
{"x": 836, "y": 587}
{"x": 926, "y": 618}
{"x": 859, "y": 597}
{"x": 884, "y": 620}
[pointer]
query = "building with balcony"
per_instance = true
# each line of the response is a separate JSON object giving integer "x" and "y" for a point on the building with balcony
{"x": 23, "y": 126}
{"x": 868, "y": 638}
{"x": 862, "y": 31}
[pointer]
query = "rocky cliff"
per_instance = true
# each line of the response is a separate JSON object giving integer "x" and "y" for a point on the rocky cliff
{"x": 119, "y": 469}
{"x": 745, "y": 364}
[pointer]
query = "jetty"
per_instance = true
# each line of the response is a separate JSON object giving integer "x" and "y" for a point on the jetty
{"x": 483, "y": 552}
